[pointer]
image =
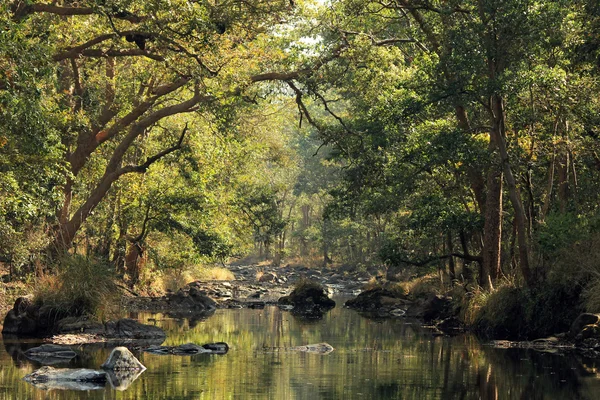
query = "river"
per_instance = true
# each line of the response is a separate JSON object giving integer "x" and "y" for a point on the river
{"x": 373, "y": 359}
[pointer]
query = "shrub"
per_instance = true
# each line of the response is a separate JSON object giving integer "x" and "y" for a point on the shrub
{"x": 502, "y": 313}
{"x": 81, "y": 286}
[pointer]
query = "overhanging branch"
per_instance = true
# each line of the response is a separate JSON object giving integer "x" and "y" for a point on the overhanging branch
{"x": 151, "y": 160}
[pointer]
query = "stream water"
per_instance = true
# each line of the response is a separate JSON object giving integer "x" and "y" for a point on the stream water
{"x": 390, "y": 359}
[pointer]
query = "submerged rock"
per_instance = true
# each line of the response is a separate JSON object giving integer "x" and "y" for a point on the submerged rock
{"x": 190, "y": 349}
{"x": 50, "y": 354}
{"x": 319, "y": 348}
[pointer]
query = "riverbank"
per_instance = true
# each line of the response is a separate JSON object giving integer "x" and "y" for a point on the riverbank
{"x": 509, "y": 313}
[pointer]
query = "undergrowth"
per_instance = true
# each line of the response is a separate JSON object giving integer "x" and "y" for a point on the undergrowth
{"x": 80, "y": 286}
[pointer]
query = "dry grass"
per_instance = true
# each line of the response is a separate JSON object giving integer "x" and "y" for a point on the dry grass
{"x": 80, "y": 286}
{"x": 218, "y": 274}
{"x": 259, "y": 274}
{"x": 423, "y": 286}
{"x": 176, "y": 279}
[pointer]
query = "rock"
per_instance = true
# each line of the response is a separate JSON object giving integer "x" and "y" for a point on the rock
{"x": 184, "y": 349}
{"x": 22, "y": 319}
{"x": 49, "y": 378}
{"x": 67, "y": 379}
{"x": 588, "y": 332}
{"x": 131, "y": 329}
{"x": 377, "y": 300}
{"x": 581, "y": 321}
{"x": 50, "y": 354}
{"x": 267, "y": 277}
{"x": 195, "y": 299}
{"x": 216, "y": 348}
{"x": 308, "y": 299}
{"x": 190, "y": 349}
{"x": 435, "y": 307}
{"x": 122, "y": 359}
{"x": 258, "y": 305}
{"x": 319, "y": 348}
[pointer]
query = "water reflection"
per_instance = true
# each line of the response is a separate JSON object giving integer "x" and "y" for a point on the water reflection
{"x": 389, "y": 359}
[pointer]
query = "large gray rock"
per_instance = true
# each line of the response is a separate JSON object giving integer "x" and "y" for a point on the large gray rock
{"x": 122, "y": 359}
{"x": 50, "y": 354}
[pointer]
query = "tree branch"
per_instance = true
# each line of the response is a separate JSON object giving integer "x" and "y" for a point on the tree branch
{"x": 21, "y": 11}
{"x": 151, "y": 160}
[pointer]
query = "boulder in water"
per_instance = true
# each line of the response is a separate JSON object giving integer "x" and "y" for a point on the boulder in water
{"x": 122, "y": 359}
{"x": 308, "y": 298}
{"x": 67, "y": 379}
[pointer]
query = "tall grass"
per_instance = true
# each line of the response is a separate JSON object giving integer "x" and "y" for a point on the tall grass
{"x": 80, "y": 286}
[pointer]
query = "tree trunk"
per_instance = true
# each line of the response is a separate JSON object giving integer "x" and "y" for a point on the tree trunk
{"x": 563, "y": 179}
{"x": 451, "y": 265}
{"x": 492, "y": 228}
{"x": 498, "y": 130}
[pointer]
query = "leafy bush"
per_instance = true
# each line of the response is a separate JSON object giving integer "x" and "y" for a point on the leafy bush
{"x": 80, "y": 287}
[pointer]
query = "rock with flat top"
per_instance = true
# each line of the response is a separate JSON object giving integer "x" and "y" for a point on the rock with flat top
{"x": 67, "y": 379}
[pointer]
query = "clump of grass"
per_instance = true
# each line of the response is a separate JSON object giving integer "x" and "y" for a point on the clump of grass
{"x": 218, "y": 274}
{"x": 259, "y": 274}
{"x": 80, "y": 286}
{"x": 501, "y": 313}
{"x": 422, "y": 286}
{"x": 176, "y": 279}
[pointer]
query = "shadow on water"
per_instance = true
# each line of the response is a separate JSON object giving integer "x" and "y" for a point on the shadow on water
{"x": 376, "y": 359}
